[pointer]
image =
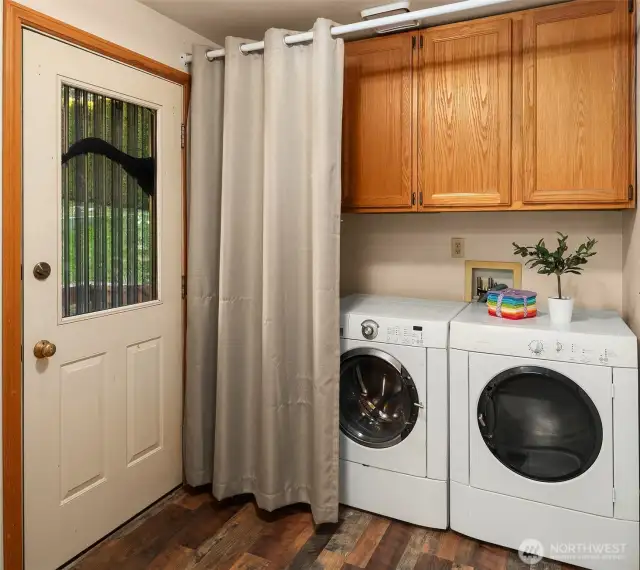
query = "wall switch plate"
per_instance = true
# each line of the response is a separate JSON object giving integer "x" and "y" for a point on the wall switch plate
{"x": 457, "y": 247}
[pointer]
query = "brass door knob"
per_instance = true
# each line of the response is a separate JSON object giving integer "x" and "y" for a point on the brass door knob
{"x": 44, "y": 349}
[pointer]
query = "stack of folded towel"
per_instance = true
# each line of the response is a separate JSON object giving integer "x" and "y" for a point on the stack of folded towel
{"x": 512, "y": 304}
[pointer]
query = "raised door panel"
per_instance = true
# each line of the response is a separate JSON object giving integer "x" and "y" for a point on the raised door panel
{"x": 82, "y": 426}
{"x": 577, "y": 106}
{"x": 144, "y": 399}
{"x": 377, "y": 133}
{"x": 464, "y": 141}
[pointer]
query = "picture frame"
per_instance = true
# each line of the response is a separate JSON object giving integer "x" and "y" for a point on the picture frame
{"x": 507, "y": 272}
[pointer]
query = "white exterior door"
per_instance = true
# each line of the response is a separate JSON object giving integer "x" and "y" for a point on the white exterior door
{"x": 102, "y": 210}
{"x": 590, "y": 491}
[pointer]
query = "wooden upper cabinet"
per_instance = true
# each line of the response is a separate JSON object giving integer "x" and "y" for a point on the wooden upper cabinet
{"x": 531, "y": 110}
{"x": 377, "y": 129}
{"x": 576, "y": 125}
{"x": 464, "y": 120}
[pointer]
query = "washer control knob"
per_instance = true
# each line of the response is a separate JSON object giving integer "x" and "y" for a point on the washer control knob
{"x": 536, "y": 346}
{"x": 559, "y": 346}
{"x": 369, "y": 329}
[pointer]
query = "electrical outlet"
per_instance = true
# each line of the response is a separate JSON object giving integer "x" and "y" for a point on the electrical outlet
{"x": 457, "y": 247}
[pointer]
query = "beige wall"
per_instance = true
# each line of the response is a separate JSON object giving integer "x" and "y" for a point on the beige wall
{"x": 410, "y": 254}
{"x": 124, "y": 22}
{"x": 631, "y": 270}
{"x": 631, "y": 243}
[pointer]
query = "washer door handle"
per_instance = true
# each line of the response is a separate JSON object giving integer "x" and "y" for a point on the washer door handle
{"x": 487, "y": 415}
{"x": 419, "y": 405}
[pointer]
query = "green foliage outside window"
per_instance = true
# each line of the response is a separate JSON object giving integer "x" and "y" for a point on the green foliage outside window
{"x": 108, "y": 223}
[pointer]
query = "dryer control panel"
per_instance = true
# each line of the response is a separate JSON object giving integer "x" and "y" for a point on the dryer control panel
{"x": 582, "y": 351}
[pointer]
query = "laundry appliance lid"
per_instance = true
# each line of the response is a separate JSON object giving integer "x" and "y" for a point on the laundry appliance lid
{"x": 432, "y": 317}
{"x": 593, "y": 337}
{"x": 401, "y": 308}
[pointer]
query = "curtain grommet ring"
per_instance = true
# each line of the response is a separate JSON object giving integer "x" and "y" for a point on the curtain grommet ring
{"x": 240, "y": 49}
{"x": 284, "y": 40}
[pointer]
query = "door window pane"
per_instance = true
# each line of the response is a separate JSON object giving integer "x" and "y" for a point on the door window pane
{"x": 540, "y": 424}
{"x": 108, "y": 210}
{"x": 377, "y": 402}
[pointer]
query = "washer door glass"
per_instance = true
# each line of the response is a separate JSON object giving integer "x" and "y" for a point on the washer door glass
{"x": 378, "y": 398}
{"x": 540, "y": 424}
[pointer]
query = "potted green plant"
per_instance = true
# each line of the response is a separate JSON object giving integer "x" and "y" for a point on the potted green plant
{"x": 556, "y": 263}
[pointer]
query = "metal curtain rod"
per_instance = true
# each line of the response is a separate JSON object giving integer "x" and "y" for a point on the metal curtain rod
{"x": 337, "y": 31}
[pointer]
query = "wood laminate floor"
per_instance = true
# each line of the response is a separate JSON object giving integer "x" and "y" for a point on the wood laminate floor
{"x": 189, "y": 529}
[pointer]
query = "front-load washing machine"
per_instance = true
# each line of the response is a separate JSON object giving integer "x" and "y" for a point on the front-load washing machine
{"x": 544, "y": 436}
{"x": 393, "y": 407}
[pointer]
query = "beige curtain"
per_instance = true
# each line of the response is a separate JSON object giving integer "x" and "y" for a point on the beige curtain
{"x": 205, "y": 187}
{"x": 276, "y": 404}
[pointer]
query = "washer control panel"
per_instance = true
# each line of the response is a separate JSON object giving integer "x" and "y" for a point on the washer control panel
{"x": 410, "y": 332}
{"x": 402, "y": 334}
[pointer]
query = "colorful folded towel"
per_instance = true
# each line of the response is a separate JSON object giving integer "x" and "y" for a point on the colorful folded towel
{"x": 510, "y": 297}
{"x": 512, "y": 304}
{"x": 504, "y": 314}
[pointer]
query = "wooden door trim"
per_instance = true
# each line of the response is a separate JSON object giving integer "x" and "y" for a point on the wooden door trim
{"x": 17, "y": 17}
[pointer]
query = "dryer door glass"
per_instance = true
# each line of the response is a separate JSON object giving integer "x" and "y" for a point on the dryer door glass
{"x": 378, "y": 399}
{"x": 540, "y": 424}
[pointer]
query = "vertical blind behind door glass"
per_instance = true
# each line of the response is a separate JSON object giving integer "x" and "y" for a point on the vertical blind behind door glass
{"x": 108, "y": 210}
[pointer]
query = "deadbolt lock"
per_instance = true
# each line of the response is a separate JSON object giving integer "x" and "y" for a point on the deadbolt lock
{"x": 41, "y": 270}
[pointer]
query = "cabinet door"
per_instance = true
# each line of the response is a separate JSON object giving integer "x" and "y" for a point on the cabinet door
{"x": 464, "y": 141}
{"x": 576, "y": 116}
{"x": 377, "y": 133}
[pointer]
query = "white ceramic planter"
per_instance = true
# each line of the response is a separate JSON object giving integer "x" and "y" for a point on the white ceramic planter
{"x": 560, "y": 310}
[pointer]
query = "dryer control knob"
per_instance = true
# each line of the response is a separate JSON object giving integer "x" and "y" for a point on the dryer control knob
{"x": 369, "y": 329}
{"x": 536, "y": 346}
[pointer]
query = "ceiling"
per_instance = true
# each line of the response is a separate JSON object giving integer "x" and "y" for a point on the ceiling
{"x": 249, "y": 19}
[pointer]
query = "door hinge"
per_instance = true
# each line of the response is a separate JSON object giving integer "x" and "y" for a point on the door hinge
{"x": 613, "y": 495}
{"x": 630, "y": 194}
{"x": 421, "y": 42}
{"x": 413, "y": 198}
{"x": 183, "y": 135}
{"x": 184, "y": 286}
{"x": 21, "y": 272}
